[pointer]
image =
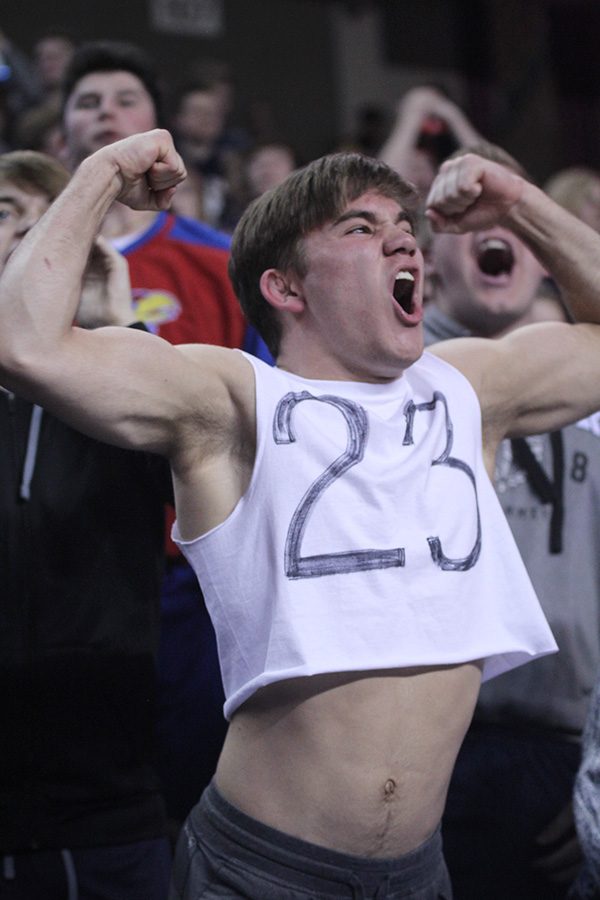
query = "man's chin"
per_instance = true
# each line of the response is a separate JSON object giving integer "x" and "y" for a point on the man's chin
{"x": 104, "y": 140}
{"x": 406, "y": 357}
{"x": 490, "y": 323}
{"x": 417, "y": 345}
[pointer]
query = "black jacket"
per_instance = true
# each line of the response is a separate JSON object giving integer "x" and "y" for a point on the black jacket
{"x": 81, "y": 550}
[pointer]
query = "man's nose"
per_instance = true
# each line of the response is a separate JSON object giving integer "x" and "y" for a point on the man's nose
{"x": 106, "y": 107}
{"x": 398, "y": 240}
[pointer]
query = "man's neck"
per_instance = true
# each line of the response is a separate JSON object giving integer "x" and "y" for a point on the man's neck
{"x": 439, "y": 326}
{"x": 120, "y": 220}
{"x": 197, "y": 150}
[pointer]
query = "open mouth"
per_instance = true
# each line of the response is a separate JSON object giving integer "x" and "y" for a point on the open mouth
{"x": 106, "y": 137}
{"x": 495, "y": 257}
{"x": 404, "y": 287}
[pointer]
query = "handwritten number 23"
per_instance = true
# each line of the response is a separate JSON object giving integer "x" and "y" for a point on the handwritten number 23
{"x": 298, "y": 566}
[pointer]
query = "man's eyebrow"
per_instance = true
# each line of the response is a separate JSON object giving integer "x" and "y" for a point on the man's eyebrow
{"x": 370, "y": 217}
{"x": 356, "y": 214}
{"x": 95, "y": 95}
{"x": 11, "y": 200}
{"x": 87, "y": 95}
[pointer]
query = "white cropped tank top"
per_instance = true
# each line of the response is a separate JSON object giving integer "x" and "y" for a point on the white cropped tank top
{"x": 370, "y": 537}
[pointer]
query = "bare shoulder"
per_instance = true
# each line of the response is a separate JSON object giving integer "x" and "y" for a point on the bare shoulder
{"x": 495, "y": 366}
{"x": 229, "y": 366}
{"x": 536, "y": 378}
{"x": 219, "y": 385}
{"x": 471, "y": 356}
{"x": 193, "y": 377}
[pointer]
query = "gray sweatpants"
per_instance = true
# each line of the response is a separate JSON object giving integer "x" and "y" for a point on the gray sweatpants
{"x": 223, "y": 853}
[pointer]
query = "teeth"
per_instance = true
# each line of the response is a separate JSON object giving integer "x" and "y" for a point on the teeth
{"x": 494, "y": 244}
{"x": 406, "y": 276}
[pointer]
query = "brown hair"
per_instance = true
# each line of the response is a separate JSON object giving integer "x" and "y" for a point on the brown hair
{"x": 570, "y": 187}
{"x": 270, "y": 232}
{"x": 112, "y": 56}
{"x": 33, "y": 172}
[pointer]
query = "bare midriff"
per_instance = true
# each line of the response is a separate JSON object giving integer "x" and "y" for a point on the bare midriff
{"x": 356, "y": 762}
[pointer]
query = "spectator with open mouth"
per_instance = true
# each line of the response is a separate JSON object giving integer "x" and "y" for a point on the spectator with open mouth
{"x": 508, "y": 826}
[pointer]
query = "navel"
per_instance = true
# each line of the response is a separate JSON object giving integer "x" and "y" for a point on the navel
{"x": 389, "y": 789}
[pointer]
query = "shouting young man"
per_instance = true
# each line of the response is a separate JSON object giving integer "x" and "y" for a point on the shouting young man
{"x": 336, "y": 508}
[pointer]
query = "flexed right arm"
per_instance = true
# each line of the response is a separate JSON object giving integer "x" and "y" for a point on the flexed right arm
{"x": 116, "y": 384}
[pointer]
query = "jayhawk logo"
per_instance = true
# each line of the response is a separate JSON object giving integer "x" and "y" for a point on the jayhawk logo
{"x": 154, "y": 307}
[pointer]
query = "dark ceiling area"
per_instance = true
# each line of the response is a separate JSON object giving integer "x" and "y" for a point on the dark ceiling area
{"x": 531, "y": 68}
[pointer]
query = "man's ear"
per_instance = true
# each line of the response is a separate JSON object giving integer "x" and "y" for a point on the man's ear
{"x": 282, "y": 291}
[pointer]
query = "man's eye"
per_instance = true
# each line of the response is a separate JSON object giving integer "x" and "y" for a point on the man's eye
{"x": 5, "y": 214}
{"x": 87, "y": 103}
{"x": 359, "y": 229}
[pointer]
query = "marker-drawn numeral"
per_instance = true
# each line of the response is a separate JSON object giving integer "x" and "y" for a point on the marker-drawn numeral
{"x": 447, "y": 564}
{"x": 297, "y": 566}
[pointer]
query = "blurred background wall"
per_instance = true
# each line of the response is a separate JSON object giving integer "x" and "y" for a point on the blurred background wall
{"x": 527, "y": 72}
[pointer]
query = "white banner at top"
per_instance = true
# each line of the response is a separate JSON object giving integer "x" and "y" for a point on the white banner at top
{"x": 199, "y": 18}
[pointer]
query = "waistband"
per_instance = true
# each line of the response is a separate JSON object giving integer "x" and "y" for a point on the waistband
{"x": 303, "y": 864}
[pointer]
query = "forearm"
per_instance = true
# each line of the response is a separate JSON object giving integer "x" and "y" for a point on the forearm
{"x": 41, "y": 285}
{"x": 401, "y": 142}
{"x": 466, "y": 135}
{"x": 566, "y": 247}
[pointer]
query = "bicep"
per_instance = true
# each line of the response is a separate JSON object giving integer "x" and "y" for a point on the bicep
{"x": 122, "y": 386}
{"x": 536, "y": 379}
